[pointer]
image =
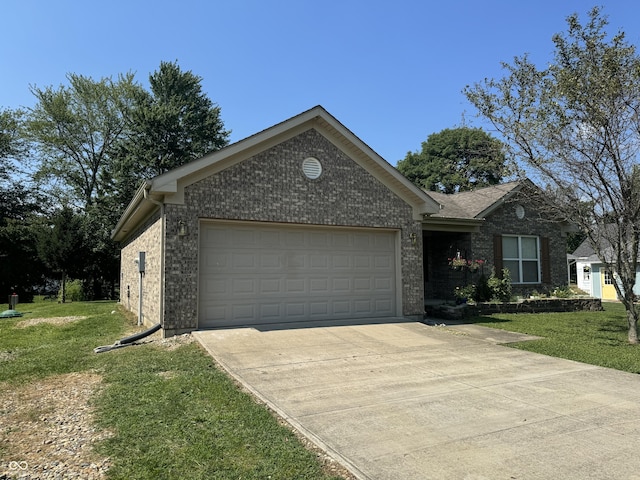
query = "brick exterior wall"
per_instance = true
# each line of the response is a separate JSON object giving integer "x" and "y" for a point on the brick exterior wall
{"x": 148, "y": 239}
{"x": 503, "y": 221}
{"x": 271, "y": 187}
{"x": 442, "y": 280}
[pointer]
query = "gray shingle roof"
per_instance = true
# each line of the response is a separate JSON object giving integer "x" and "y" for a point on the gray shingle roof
{"x": 473, "y": 204}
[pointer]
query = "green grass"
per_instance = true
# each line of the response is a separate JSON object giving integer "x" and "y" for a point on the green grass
{"x": 43, "y": 350}
{"x": 175, "y": 415}
{"x": 597, "y": 338}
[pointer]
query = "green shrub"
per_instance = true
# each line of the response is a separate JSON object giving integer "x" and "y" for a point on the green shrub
{"x": 562, "y": 292}
{"x": 74, "y": 291}
{"x": 500, "y": 287}
{"x": 483, "y": 292}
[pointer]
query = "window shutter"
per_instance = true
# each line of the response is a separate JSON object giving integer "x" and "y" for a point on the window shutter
{"x": 545, "y": 260}
{"x": 497, "y": 254}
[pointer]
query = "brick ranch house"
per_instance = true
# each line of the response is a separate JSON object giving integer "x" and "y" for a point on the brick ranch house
{"x": 304, "y": 222}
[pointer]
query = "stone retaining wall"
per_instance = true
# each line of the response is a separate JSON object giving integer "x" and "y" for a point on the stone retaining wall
{"x": 459, "y": 312}
{"x": 542, "y": 305}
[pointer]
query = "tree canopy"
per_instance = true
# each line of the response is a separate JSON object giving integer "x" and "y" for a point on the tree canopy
{"x": 576, "y": 125}
{"x": 172, "y": 124}
{"x": 89, "y": 144}
{"x": 75, "y": 129}
{"x": 455, "y": 160}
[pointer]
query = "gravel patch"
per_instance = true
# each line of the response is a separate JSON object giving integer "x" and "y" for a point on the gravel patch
{"x": 47, "y": 430}
{"x": 53, "y": 321}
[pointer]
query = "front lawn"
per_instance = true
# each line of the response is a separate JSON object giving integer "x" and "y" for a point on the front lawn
{"x": 597, "y": 338}
{"x": 168, "y": 412}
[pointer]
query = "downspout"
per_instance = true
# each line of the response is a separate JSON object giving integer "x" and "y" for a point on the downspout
{"x": 162, "y": 248}
{"x": 125, "y": 342}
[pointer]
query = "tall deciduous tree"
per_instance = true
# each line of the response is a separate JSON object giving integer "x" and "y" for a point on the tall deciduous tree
{"x": 75, "y": 129}
{"x": 171, "y": 125}
{"x": 455, "y": 160}
{"x": 12, "y": 144}
{"x": 61, "y": 245}
{"x": 19, "y": 202}
{"x": 576, "y": 124}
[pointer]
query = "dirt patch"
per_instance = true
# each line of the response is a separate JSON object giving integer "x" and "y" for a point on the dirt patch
{"x": 47, "y": 430}
{"x": 169, "y": 343}
{"x": 53, "y": 321}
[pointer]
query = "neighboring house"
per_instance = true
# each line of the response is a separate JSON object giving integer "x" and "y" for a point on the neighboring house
{"x": 593, "y": 276}
{"x": 304, "y": 222}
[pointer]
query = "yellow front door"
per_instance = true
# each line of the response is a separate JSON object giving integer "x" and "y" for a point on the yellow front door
{"x": 608, "y": 290}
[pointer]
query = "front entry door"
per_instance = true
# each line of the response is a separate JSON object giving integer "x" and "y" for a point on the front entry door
{"x": 608, "y": 289}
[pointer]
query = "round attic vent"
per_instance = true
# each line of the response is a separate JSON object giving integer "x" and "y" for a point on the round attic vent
{"x": 312, "y": 168}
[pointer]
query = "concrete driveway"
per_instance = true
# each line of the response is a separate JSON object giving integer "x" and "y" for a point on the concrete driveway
{"x": 412, "y": 401}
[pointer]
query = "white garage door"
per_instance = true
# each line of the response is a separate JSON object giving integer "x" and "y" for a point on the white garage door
{"x": 261, "y": 274}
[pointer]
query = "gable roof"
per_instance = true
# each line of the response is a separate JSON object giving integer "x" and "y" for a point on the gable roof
{"x": 587, "y": 253}
{"x": 169, "y": 187}
{"x": 465, "y": 211}
{"x": 475, "y": 204}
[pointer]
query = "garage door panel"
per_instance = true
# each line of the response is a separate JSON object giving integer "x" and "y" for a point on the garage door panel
{"x": 383, "y": 262}
{"x": 362, "y": 306}
{"x": 341, "y": 261}
{"x": 319, "y": 261}
{"x": 243, "y": 286}
{"x": 270, "y": 286}
{"x": 243, "y": 312}
{"x": 271, "y": 312}
{"x": 319, "y": 239}
{"x": 216, "y": 287}
{"x": 257, "y": 273}
{"x": 319, "y": 286}
{"x": 295, "y": 311}
{"x": 319, "y": 309}
{"x": 295, "y": 261}
{"x": 362, "y": 284}
{"x": 295, "y": 285}
{"x": 383, "y": 284}
{"x": 362, "y": 262}
{"x": 293, "y": 239}
{"x": 341, "y": 285}
{"x": 384, "y": 306}
{"x": 341, "y": 240}
{"x": 244, "y": 259}
{"x": 270, "y": 239}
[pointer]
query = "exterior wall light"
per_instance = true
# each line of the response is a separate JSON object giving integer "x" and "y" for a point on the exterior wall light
{"x": 413, "y": 238}
{"x": 182, "y": 229}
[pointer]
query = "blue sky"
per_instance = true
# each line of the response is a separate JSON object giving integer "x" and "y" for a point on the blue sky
{"x": 390, "y": 71}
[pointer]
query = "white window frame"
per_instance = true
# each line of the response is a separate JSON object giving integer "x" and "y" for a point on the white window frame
{"x": 609, "y": 278}
{"x": 520, "y": 259}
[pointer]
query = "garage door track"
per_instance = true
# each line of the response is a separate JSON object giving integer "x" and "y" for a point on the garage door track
{"x": 412, "y": 401}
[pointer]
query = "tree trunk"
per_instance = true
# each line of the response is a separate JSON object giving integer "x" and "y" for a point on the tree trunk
{"x": 632, "y": 320}
{"x": 63, "y": 288}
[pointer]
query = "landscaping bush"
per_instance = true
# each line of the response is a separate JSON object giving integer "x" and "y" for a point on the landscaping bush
{"x": 500, "y": 287}
{"x": 562, "y": 292}
{"x": 483, "y": 292}
{"x": 74, "y": 291}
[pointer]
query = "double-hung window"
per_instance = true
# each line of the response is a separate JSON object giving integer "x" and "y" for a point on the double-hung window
{"x": 521, "y": 256}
